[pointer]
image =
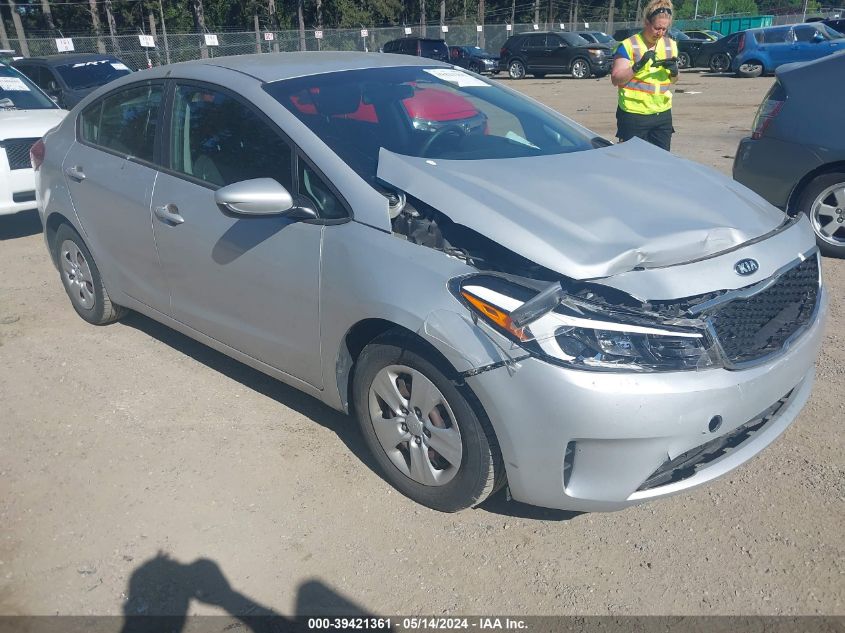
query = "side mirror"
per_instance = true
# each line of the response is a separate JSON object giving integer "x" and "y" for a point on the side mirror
{"x": 260, "y": 196}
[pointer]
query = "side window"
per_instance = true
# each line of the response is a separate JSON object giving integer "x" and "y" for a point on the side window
{"x": 805, "y": 33}
{"x": 537, "y": 41}
{"x": 124, "y": 121}
{"x": 32, "y": 73}
{"x": 316, "y": 190}
{"x": 553, "y": 41}
{"x": 219, "y": 140}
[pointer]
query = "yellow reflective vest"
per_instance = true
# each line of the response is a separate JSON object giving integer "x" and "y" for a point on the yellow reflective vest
{"x": 648, "y": 91}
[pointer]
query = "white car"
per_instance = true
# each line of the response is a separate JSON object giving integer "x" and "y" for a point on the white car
{"x": 26, "y": 114}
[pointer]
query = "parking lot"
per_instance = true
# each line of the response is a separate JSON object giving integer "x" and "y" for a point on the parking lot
{"x": 137, "y": 467}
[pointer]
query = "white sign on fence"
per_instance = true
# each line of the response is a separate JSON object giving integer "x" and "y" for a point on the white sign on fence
{"x": 586, "y": 25}
{"x": 318, "y": 35}
{"x": 536, "y": 27}
{"x": 147, "y": 41}
{"x": 408, "y": 30}
{"x": 444, "y": 28}
{"x": 211, "y": 40}
{"x": 269, "y": 37}
{"x": 64, "y": 44}
{"x": 479, "y": 28}
{"x": 509, "y": 27}
{"x": 364, "y": 32}
{"x": 562, "y": 26}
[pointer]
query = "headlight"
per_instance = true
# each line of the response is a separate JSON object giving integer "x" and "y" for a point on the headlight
{"x": 596, "y": 53}
{"x": 586, "y": 335}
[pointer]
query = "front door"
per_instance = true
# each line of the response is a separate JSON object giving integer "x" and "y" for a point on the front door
{"x": 249, "y": 282}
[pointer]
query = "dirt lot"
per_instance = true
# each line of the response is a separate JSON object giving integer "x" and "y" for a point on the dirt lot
{"x": 131, "y": 452}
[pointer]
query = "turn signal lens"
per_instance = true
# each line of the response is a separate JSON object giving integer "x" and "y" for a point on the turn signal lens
{"x": 496, "y": 315}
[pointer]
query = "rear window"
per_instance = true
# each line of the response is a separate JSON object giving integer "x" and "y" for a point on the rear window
{"x": 436, "y": 50}
{"x": 17, "y": 92}
{"x": 91, "y": 74}
{"x": 773, "y": 36}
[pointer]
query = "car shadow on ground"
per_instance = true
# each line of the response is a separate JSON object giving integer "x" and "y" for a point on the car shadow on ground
{"x": 344, "y": 426}
{"x": 22, "y": 224}
{"x": 161, "y": 592}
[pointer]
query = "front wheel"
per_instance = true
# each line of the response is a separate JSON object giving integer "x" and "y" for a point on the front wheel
{"x": 429, "y": 441}
{"x": 684, "y": 60}
{"x": 823, "y": 200}
{"x": 750, "y": 69}
{"x": 516, "y": 69}
{"x": 720, "y": 63}
{"x": 581, "y": 69}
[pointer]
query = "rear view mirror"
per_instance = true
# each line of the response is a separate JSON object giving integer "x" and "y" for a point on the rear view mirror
{"x": 260, "y": 196}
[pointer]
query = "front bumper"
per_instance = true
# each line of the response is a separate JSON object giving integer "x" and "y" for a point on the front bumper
{"x": 17, "y": 189}
{"x": 588, "y": 441}
{"x": 600, "y": 66}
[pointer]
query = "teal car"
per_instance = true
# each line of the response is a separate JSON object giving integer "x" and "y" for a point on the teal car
{"x": 761, "y": 51}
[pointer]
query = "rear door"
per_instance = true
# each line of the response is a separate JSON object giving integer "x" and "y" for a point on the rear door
{"x": 536, "y": 52}
{"x": 251, "y": 283}
{"x": 110, "y": 173}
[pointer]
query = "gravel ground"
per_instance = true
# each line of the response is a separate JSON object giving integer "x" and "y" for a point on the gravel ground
{"x": 141, "y": 472}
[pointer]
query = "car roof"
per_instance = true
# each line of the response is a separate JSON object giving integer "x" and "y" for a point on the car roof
{"x": 62, "y": 59}
{"x": 268, "y": 67}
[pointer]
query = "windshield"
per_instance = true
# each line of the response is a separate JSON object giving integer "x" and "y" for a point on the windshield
{"x": 92, "y": 73}
{"x": 603, "y": 38}
{"x": 18, "y": 92}
{"x": 424, "y": 112}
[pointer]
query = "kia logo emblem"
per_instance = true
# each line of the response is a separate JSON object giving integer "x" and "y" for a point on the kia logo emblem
{"x": 745, "y": 267}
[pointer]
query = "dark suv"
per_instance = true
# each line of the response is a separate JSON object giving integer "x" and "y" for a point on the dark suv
{"x": 70, "y": 77}
{"x": 419, "y": 46}
{"x": 542, "y": 53}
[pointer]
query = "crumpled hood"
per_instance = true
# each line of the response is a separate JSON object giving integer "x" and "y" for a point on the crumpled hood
{"x": 28, "y": 123}
{"x": 594, "y": 213}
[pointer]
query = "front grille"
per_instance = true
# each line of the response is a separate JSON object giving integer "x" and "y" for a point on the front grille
{"x": 752, "y": 328}
{"x": 17, "y": 151}
{"x": 687, "y": 464}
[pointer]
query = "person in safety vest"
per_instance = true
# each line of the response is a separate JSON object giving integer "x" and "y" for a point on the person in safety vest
{"x": 644, "y": 68}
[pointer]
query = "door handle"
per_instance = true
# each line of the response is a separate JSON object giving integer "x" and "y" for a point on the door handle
{"x": 75, "y": 173}
{"x": 169, "y": 213}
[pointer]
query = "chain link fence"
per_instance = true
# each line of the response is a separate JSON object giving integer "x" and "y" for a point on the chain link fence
{"x": 182, "y": 47}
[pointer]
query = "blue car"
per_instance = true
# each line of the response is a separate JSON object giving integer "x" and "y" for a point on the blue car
{"x": 761, "y": 51}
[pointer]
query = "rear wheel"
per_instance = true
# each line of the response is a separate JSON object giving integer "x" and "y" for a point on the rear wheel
{"x": 720, "y": 63}
{"x": 823, "y": 200}
{"x": 684, "y": 60}
{"x": 516, "y": 69}
{"x": 428, "y": 439}
{"x": 581, "y": 68}
{"x": 750, "y": 69}
{"x": 81, "y": 279}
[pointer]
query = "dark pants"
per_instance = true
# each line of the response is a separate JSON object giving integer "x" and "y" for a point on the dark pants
{"x": 654, "y": 128}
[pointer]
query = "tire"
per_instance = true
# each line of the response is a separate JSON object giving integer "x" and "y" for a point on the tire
{"x": 720, "y": 63}
{"x": 684, "y": 60}
{"x": 473, "y": 67}
{"x": 82, "y": 280}
{"x": 580, "y": 68}
{"x": 516, "y": 69}
{"x": 823, "y": 201}
{"x": 399, "y": 435}
{"x": 750, "y": 69}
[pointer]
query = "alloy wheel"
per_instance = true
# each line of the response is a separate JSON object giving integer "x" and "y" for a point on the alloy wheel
{"x": 580, "y": 69}
{"x": 415, "y": 425}
{"x": 719, "y": 63}
{"x": 516, "y": 69}
{"x": 77, "y": 274}
{"x": 828, "y": 215}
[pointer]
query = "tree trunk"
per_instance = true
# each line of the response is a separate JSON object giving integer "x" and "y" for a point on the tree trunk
{"x": 481, "y": 12}
{"x": 422, "y": 19}
{"x": 95, "y": 23}
{"x": 274, "y": 23}
{"x": 16, "y": 20}
{"x": 442, "y": 16}
{"x": 112, "y": 25}
{"x": 536, "y": 11}
{"x": 48, "y": 15}
{"x": 198, "y": 11}
{"x": 513, "y": 12}
{"x": 300, "y": 15}
{"x": 4, "y": 37}
{"x": 164, "y": 32}
{"x": 610, "y": 11}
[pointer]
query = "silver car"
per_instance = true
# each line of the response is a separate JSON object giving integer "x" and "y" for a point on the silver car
{"x": 496, "y": 293}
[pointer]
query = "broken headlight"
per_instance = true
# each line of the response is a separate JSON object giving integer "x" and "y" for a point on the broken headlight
{"x": 585, "y": 335}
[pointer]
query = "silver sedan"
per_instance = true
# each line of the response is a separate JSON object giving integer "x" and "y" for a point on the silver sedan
{"x": 499, "y": 296}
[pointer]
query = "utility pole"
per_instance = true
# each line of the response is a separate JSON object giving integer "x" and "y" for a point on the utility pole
{"x": 481, "y": 12}
{"x": 95, "y": 23}
{"x": 48, "y": 15}
{"x": 422, "y": 19}
{"x": 610, "y": 11}
{"x": 164, "y": 32}
{"x": 4, "y": 37}
{"x": 112, "y": 25}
